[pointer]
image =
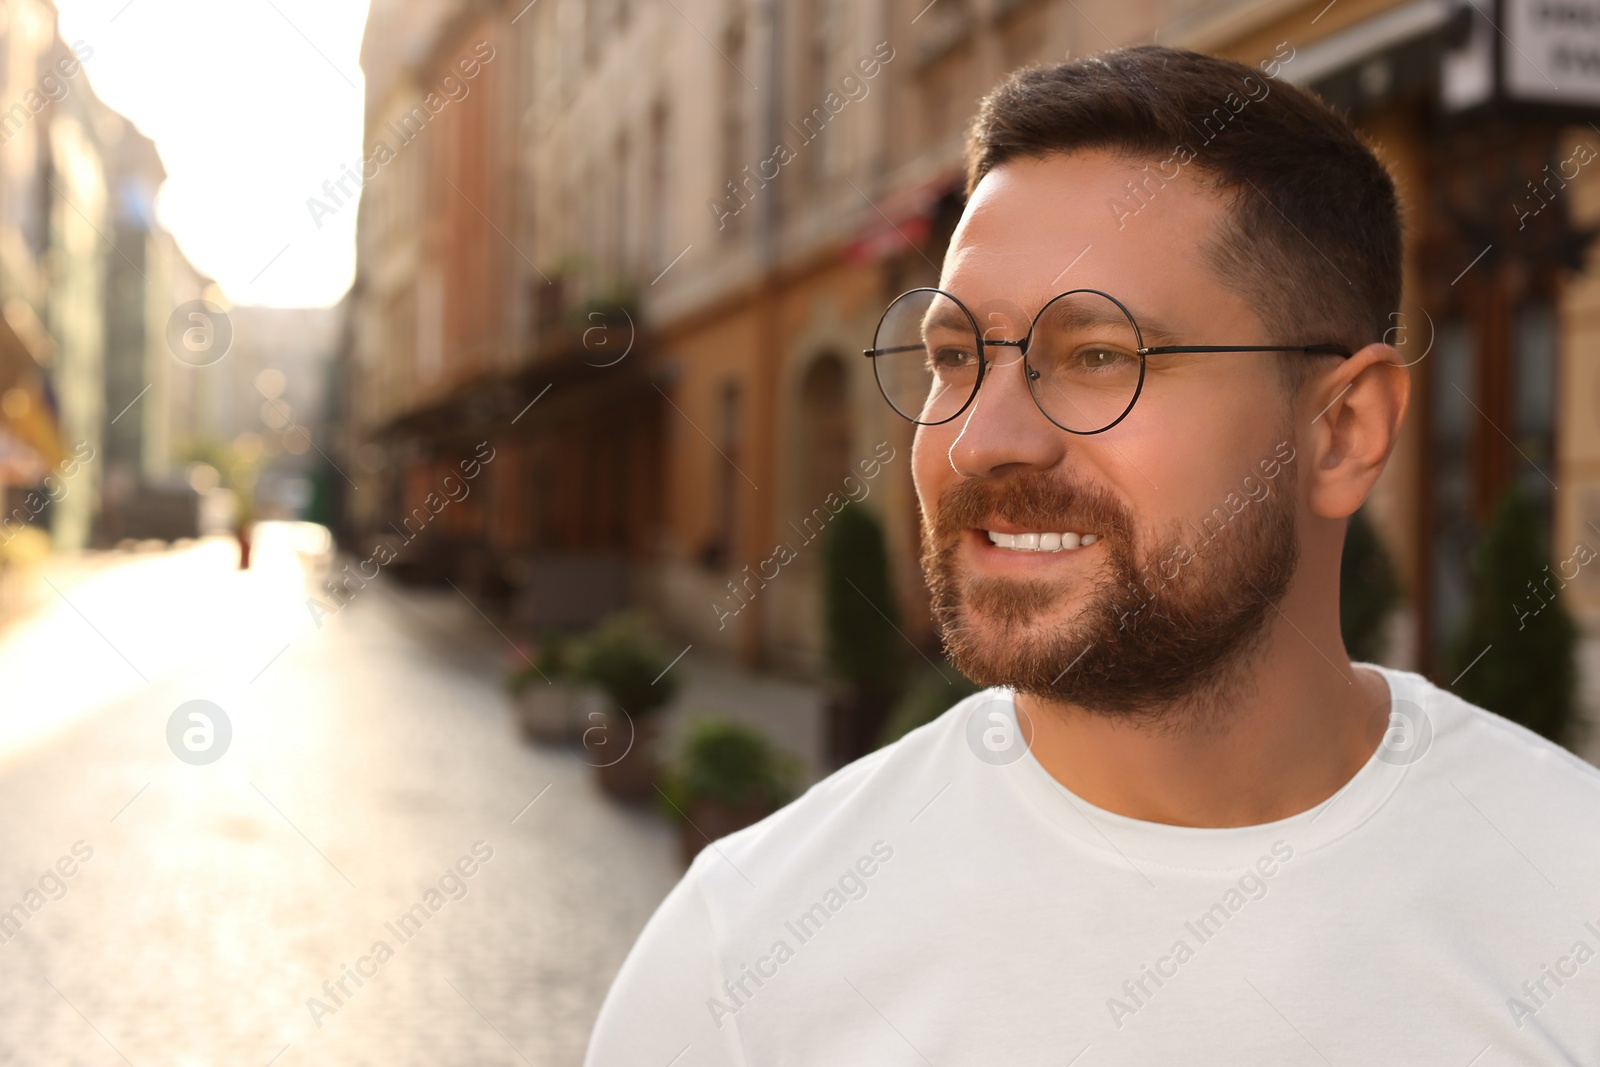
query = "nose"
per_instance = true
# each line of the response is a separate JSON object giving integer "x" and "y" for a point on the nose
{"x": 1003, "y": 430}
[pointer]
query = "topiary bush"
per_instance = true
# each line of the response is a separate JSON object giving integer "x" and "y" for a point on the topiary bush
{"x": 1529, "y": 674}
{"x": 861, "y": 617}
{"x": 929, "y": 696}
{"x": 864, "y": 647}
{"x": 731, "y": 763}
{"x": 1369, "y": 590}
{"x": 553, "y": 660}
{"x": 623, "y": 657}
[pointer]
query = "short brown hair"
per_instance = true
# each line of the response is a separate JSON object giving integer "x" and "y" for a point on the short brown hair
{"x": 1314, "y": 243}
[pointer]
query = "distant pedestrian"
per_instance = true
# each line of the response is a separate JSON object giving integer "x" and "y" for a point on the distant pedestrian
{"x": 243, "y": 522}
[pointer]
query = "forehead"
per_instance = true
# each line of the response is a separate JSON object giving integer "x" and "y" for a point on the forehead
{"x": 1034, "y": 228}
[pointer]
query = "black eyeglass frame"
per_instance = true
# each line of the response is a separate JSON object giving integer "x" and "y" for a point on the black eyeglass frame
{"x": 1022, "y": 345}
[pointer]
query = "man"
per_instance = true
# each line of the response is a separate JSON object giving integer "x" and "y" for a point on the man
{"x": 1181, "y": 826}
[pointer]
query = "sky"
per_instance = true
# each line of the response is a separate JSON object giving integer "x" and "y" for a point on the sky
{"x": 252, "y": 104}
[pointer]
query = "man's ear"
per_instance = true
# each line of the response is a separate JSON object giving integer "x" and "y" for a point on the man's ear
{"x": 1353, "y": 413}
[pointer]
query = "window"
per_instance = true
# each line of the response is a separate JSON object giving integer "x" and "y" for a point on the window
{"x": 818, "y": 46}
{"x": 621, "y": 224}
{"x": 824, "y": 445}
{"x": 1534, "y": 400}
{"x": 725, "y": 538}
{"x": 660, "y": 167}
{"x": 1025, "y": 34}
{"x": 1452, "y": 379}
{"x": 1492, "y": 419}
{"x": 735, "y": 94}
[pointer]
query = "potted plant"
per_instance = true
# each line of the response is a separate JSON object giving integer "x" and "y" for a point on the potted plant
{"x": 1516, "y": 651}
{"x": 726, "y": 776}
{"x": 1369, "y": 591}
{"x": 623, "y": 658}
{"x": 865, "y": 651}
{"x": 551, "y": 701}
{"x": 935, "y": 691}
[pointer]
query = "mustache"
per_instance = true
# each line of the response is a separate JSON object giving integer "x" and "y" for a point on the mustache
{"x": 1036, "y": 500}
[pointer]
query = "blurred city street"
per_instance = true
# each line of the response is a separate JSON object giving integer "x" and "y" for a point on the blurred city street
{"x": 209, "y": 903}
{"x": 563, "y": 365}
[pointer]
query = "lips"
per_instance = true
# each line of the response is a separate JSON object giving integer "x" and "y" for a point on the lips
{"x": 980, "y": 549}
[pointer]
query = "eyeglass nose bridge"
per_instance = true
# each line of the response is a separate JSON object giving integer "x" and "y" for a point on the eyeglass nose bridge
{"x": 1021, "y": 344}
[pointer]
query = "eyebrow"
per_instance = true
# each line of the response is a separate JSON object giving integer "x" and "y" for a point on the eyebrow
{"x": 945, "y": 316}
{"x": 1153, "y": 332}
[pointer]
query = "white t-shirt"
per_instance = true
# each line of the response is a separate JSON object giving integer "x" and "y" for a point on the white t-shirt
{"x": 944, "y": 901}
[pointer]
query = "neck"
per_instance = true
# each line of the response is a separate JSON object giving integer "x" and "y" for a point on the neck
{"x": 1284, "y": 732}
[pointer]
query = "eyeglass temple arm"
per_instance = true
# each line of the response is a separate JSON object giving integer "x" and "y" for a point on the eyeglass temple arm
{"x": 1162, "y": 350}
{"x": 869, "y": 352}
{"x": 1310, "y": 350}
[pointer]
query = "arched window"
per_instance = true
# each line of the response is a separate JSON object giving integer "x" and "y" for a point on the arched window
{"x": 823, "y": 448}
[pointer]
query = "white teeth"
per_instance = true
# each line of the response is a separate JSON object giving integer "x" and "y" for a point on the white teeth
{"x": 1041, "y": 542}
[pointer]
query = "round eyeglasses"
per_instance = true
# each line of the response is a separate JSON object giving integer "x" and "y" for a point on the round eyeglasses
{"x": 1083, "y": 357}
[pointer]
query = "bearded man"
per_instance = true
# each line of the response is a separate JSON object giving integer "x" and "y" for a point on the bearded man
{"x": 1180, "y": 825}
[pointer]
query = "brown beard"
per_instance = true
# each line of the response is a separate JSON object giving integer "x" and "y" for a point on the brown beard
{"x": 1157, "y": 642}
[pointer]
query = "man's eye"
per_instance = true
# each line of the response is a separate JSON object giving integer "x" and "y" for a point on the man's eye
{"x": 950, "y": 357}
{"x": 1098, "y": 358}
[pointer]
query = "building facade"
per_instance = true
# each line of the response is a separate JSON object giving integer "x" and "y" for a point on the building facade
{"x": 94, "y": 405}
{"x": 641, "y": 256}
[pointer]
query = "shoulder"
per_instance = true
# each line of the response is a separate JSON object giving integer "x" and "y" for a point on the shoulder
{"x": 836, "y": 821}
{"x": 1471, "y": 743}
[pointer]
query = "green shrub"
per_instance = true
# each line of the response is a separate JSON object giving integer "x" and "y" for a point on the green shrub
{"x": 1529, "y": 674}
{"x": 927, "y": 698}
{"x": 731, "y": 762}
{"x": 552, "y": 660}
{"x": 1369, "y": 591}
{"x": 623, "y": 657}
{"x": 860, "y": 616}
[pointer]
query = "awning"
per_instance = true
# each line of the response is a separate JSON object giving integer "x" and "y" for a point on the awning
{"x": 26, "y": 413}
{"x": 901, "y": 221}
{"x": 1367, "y": 39}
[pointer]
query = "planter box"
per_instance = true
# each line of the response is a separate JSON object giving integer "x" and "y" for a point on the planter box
{"x": 632, "y": 776}
{"x": 715, "y": 819}
{"x": 556, "y": 712}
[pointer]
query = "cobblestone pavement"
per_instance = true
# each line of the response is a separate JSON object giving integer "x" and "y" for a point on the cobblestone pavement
{"x": 370, "y": 764}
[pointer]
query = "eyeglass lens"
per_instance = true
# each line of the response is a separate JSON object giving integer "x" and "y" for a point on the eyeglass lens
{"x": 1082, "y": 356}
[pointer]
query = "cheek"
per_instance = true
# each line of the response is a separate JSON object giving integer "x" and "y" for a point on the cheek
{"x": 923, "y": 474}
{"x": 931, "y": 472}
{"x": 1185, "y": 447}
